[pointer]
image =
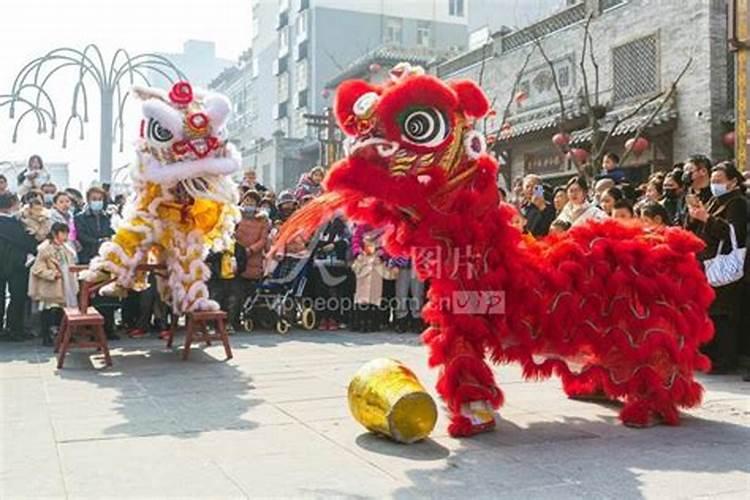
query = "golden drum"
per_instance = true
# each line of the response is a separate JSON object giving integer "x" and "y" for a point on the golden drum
{"x": 387, "y": 398}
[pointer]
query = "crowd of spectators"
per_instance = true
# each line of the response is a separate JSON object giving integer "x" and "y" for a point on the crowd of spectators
{"x": 709, "y": 199}
{"x": 44, "y": 230}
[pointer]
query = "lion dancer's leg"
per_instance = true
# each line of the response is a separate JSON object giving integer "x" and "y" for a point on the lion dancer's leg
{"x": 647, "y": 360}
{"x": 188, "y": 274}
{"x": 120, "y": 256}
{"x": 465, "y": 382}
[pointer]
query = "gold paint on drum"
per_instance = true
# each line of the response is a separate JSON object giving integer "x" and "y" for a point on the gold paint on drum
{"x": 387, "y": 398}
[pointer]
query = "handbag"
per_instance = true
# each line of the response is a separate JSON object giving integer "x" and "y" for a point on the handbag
{"x": 724, "y": 269}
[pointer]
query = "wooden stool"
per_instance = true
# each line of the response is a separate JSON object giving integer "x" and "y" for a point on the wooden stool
{"x": 197, "y": 331}
{"x": 79, "y": 327}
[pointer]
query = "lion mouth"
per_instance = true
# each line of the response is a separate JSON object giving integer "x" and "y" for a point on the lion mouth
{"x": 383, "y": 147}
{"x": 388, "y": 154}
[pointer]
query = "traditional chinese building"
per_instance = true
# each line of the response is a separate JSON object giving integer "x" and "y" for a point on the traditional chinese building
{"x": 639, "y": 47}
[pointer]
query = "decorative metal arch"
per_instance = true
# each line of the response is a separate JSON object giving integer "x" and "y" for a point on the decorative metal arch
{"x": 29, "y": 94}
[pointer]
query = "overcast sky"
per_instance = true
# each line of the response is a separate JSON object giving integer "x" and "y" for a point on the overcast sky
{"x": 31, "y": 28}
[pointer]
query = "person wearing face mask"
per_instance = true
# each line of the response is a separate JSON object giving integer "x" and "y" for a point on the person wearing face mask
{"x": 697, "y": 177}
{"x": 93, "y": 225}
{"x": 674, "y": 197}
{"x": 252, "y": 237}
{"x": 48, "y": 194}
{"x": 711, "y": 222}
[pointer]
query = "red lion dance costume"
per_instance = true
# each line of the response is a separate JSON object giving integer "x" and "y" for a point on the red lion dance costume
{"x": 606, "y": 306}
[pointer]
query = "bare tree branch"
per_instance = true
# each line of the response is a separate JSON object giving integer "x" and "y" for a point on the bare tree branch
{"x": 622, "y": 119}
{"x": 650, "y": 119}
{"x": 484, "y": 58}
{"x": 330, "y": 56}
{"x": 561, "y": 99}
{"x": 595, "y": 64}
{"x": 484, "y": 121}
{"x": 506, "y": 111}
{"x": 582, "y": 64}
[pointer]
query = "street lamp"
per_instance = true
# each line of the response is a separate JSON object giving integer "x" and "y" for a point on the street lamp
{"x": 30, "y": 96}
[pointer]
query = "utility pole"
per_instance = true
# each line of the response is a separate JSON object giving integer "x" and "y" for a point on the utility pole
{"x": 329, "y": 136}
{"x": 739, "y": 42}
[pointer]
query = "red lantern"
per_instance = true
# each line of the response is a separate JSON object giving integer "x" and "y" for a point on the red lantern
{"x": 374, "y": 67}
{"x": 638, "y": 146}
{"x": 580, "y": 156}
{"x": 729, "y": 139}
{"x": 561, "y": 139}
{"x": 325, "y": 93}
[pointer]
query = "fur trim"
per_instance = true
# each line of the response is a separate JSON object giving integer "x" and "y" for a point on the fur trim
{"x": 170, "y": 174}
{"x": 167, "y": 116}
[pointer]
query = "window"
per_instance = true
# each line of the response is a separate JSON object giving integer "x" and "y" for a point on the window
{"x": 393, "y": 30}
{"x": 282, "y": 124}
{"x": 256, "y": 20}
{"x": 563, "y": 76}
{"x": 282, "y": 87}
{"x": 283, "y": 41}
{"x": 456, "y": 8}
{"x": 283, "y": 20}
{"x": 282, "y": 65}
{"x": 300, "y": 26}
{"x": 304, "y": 4}
{"x": 300, "y": 123}
{"x": 635, "y": 68}
{"x": 423, "y": 33}
{"x": 281, "y": 112}
{"x": 301, "y": 75}
{"x": 302, "y": 99}
{"x": 302, "y": 51}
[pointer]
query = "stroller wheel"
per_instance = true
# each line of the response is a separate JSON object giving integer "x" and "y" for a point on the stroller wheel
{"x": 248, "y": 324}
{"x": 308, "y": 318}
{"x": 282, "y": 326}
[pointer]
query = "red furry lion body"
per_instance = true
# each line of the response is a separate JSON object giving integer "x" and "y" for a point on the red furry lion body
{"x": 606, "y": 306}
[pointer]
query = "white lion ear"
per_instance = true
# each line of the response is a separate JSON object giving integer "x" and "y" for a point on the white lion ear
{"x": 144, "y": 93}
{"x": 218, "y": 108}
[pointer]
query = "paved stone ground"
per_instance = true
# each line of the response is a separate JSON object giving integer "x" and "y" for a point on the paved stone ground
{"x": 274, "y": 422}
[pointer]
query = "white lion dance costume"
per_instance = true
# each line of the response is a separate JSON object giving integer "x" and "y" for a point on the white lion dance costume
{"x": 184, "y": 203}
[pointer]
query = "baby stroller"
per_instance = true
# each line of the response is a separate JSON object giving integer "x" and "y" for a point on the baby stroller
{"x": 278, "y": 300}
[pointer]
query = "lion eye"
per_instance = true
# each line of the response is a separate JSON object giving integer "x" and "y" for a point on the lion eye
{"x": 158, "y": 133}
{"x": 424, "y": 127}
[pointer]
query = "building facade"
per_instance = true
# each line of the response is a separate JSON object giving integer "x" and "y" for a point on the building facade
{"x": 640, "y": 47}
{"x": 197, "y": 60}
{"x": 298, "y": 47}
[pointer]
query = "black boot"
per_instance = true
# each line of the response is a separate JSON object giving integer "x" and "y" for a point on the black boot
{"x": 401, "y": 324}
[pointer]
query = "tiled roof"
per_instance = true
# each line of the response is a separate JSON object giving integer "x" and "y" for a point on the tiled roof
{"x": 388, "y": 55}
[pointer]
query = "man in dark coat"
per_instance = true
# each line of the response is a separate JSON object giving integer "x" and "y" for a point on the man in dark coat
{"x": 538, "y": 212}
{"x": 15, "y": 245}
{"x": 93, "y": 225}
